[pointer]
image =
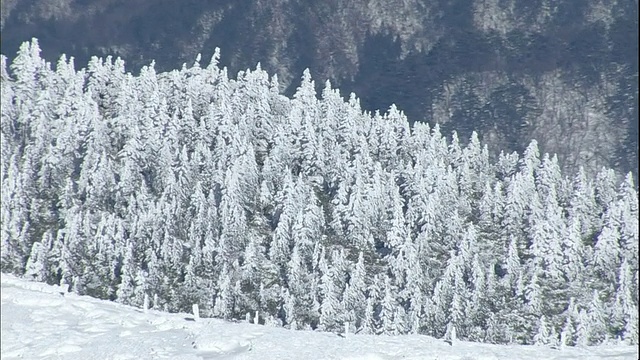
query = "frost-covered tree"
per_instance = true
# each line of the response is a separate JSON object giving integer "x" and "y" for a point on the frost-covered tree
{"x": 224, "y": 295}
{"x": 331, "y": 306}
{"x": 391, "y": 323}
{"x": 355, "y": 293}
{"x": 37, "y": 265}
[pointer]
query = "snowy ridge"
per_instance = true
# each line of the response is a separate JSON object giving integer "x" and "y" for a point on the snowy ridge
{"x": 44, "y": 322}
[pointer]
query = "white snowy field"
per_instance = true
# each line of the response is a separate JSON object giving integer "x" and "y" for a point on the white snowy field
{"x": 38, "y": 322}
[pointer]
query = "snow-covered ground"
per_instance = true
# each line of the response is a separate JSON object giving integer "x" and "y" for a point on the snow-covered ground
{"x": 40, "y": 322}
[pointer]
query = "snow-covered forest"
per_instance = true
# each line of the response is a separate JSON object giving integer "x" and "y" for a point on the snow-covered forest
{"x": 191, "y": 187}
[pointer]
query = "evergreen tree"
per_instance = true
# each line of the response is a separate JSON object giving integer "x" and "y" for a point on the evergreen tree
{"x": 567, "y": 334}
{"x": 37, "y": 266}
{"x": 596, "y": 318}
{"x": 330, "y": 306}
{"x": 224, "y": 296}
{"x": 542, "y": 337}
{"x": 606, "y": 254}
{"x": 355, "y": 293}
{"x": 390, "y": 324}
{"x": 127, "y": 284}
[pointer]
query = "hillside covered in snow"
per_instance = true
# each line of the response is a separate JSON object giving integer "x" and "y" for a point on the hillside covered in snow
{"x": 45, "y": 322}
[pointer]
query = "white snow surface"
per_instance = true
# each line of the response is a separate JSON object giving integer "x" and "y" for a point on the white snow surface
{"x": 44, "y": 322}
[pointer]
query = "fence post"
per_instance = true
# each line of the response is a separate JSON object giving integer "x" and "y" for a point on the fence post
{"x": 196, "y": 312}
{"x": 145, "y": 306}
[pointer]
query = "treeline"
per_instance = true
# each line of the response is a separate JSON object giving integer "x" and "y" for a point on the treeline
{"x": 191, "y": 187}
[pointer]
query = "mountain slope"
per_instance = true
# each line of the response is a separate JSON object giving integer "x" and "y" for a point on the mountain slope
{"x": 562, "y": 72}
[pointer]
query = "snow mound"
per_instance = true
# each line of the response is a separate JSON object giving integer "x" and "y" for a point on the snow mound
{"x": 370, "y": 356}
{"x": 222, "y": 346}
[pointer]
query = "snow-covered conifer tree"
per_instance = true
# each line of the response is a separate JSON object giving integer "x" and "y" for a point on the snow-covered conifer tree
{"x": 331, "y": 311}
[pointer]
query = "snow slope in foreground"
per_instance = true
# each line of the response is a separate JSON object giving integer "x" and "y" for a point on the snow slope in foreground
{"x": 38, "y": 322}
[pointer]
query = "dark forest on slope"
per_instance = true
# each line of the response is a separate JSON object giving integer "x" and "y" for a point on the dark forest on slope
{"x": 191, "y": 187}
{"x": 562, "y": 72}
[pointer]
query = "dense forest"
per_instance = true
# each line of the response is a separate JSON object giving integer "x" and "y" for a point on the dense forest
{"x": 191, "y": 186}
{"x": 563, "y": 72}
